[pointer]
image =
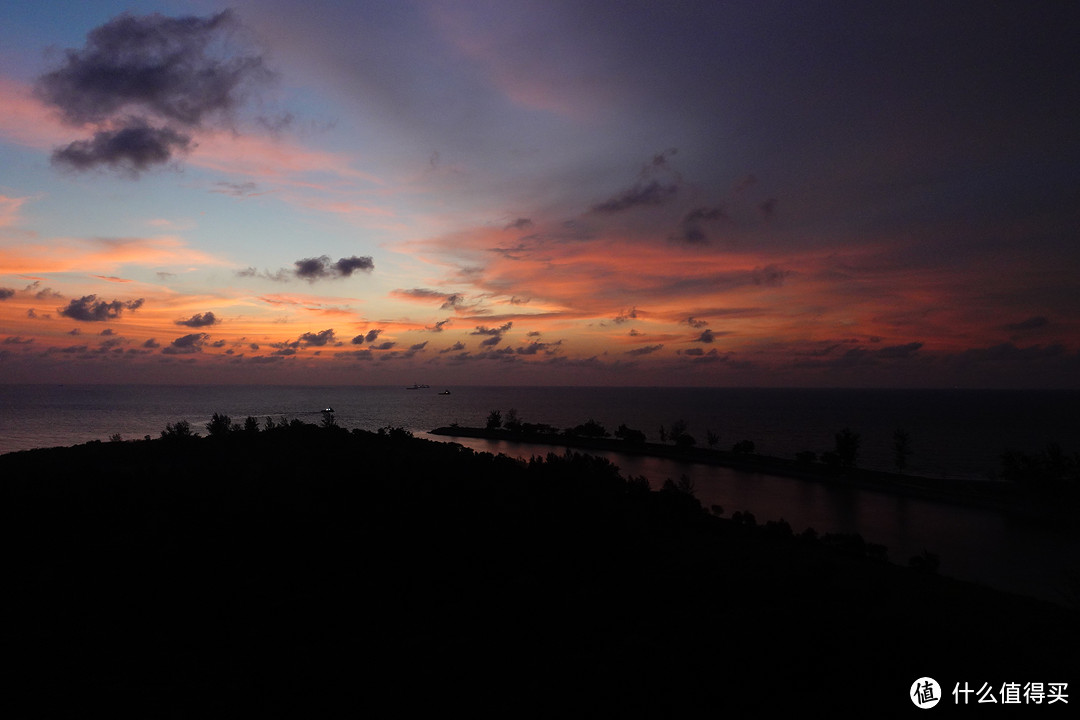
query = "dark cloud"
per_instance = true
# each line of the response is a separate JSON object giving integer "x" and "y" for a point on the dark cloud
{"x": 692, "y": 227}
{"x": 319, "y": 339}
{"x": 645, "y": 350}
{"x": 705, "y": 337}
{"x": 656, "y": 184}
{"x": 767, "y": 208}
{"x": 17, "y": 340}
{"x": 899, "y": 351}
{"x": 151, "y": 343}
{"x": 369, "y": 337}
{"x": 625, "y": 316}
{"x": 186, "y": 345}
{"x": 695, "y": 323}
{"x": 89, "y": 309}
{"x": 711, "y": 357}
{"x": 418, "y": 347}
{"x": 1032, "y": 323}
{"x": 439, "y": 326}
{"x": 312, "y": 269}
{"x": 653, "y": 192}
{"x": 132, "y": 149}
{"x": 770, "y": 276}
{"x": 448, "y": 300}
{"x": 5, "y": 293}
{"x": 157, "y": 64}
{"x": 75, "y": 331}
{"x": 494, "y": 335}
{"x": 133, "y": 68}
{"x": 347, "y": 266}
{"x": 453, "y": 348}
{"x": 452, "y": 301}
{"x": 861, "y": 357}
{"x": 44, "y": 293}
{"x": 483, "y": 330}
{"x": 519, "y": 224}
{"x": 199, "y": 320}
{"x": 384, "y": 346}
{"x": 1008, "y": 354}
{"x": 535, "y": 348}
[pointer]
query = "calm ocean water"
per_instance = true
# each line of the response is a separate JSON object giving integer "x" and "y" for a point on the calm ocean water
{"x": 953, "y": 433}
{"x": 957, "y": 433}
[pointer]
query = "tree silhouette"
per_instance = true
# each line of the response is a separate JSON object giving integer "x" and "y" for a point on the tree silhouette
{"x": 630, "y": 436}
{"x": 219, "y": 425}
{"x": 847, "y": 447}
{"x": 513, "y": 422}
{"x": 180, "y": 431}
{"x": 902, "y": 448}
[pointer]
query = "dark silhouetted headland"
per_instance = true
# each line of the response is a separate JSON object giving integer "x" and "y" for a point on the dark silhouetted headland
{"x": 308, "y": 571}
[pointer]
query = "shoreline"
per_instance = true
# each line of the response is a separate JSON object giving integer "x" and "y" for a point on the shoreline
{"x": 991, "y": 494}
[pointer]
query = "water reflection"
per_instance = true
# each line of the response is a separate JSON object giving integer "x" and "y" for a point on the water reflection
{"x": 976, "y": 544}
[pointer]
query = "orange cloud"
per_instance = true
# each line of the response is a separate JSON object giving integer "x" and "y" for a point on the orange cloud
{"x": 99, "y": 255}
{"x": 279, "y": 160}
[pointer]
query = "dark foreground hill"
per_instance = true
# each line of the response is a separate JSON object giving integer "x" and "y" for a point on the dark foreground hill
{"x": 312, "y": 572}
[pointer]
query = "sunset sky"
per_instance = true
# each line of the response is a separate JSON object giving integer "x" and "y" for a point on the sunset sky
{"x": 586, "y": 192}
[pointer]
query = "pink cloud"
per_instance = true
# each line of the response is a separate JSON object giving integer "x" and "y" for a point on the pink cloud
{"x": 26, "y": 120}
{"x": 100, "y": 255}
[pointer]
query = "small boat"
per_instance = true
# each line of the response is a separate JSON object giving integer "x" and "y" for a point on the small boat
{"x": 328, "y": 409}
{"x": 445, "y": 392}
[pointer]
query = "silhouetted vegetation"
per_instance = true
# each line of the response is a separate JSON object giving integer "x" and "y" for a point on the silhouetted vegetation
{"x": 1050, "y": 472}
{"x": 679, "y": 435}
{"x": 590, "y": 429}
{"x": 512, "y": 422}
{"x": 219, "y": 426}
{"x": 308, "y": 570}
{"x": 181, "y": 430}
{"x": 630, "y": 436}
{"x": 901, "y": 448}
{"x": 847, "y": 448}
{"x": 743, "y": 447}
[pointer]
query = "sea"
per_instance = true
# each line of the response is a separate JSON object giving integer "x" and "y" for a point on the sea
{"x": 953, "y": 434}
